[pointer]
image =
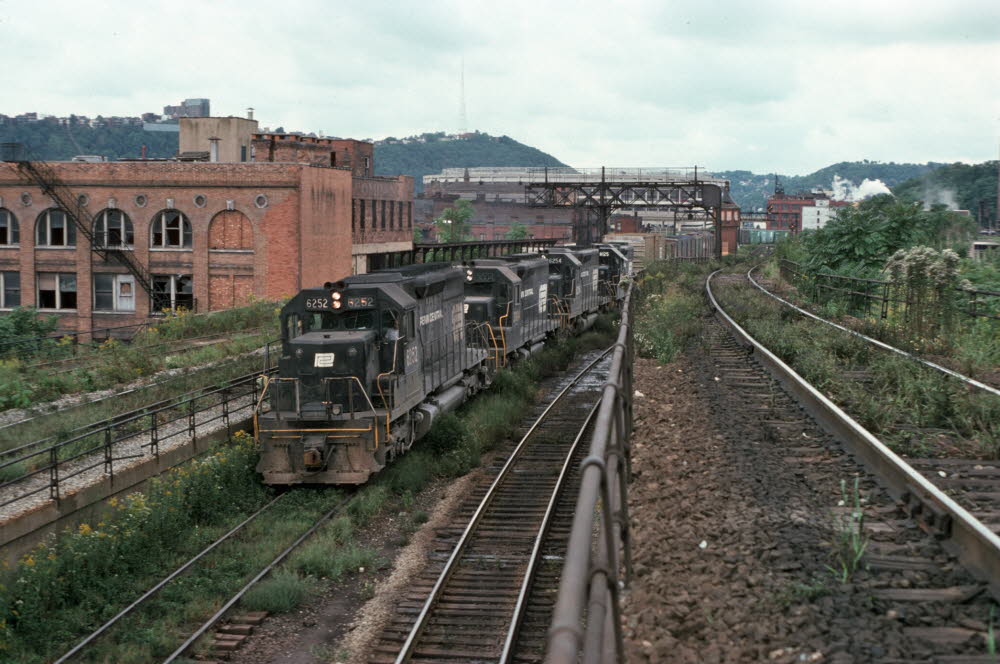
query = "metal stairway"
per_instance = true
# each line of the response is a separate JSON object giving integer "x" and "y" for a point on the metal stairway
{"x": 42, "y": 176}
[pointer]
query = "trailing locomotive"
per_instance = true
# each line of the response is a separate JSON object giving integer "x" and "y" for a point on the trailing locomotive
{"x": 368, "y": 363}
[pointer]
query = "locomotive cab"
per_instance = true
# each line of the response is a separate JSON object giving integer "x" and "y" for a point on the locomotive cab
{"x": 358, "y": 358}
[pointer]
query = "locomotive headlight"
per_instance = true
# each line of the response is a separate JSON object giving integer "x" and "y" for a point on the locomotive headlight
{"x": 352, "y": 352}
{"x": 335, "y": 295}
{"x": 468, "y": 275}
{"x": 298, "y": 353}
{"x": 337, "y": 304}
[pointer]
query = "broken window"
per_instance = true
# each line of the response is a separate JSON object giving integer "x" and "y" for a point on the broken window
{"x": 56, "y": 290}
{"x": 171, "y": 230}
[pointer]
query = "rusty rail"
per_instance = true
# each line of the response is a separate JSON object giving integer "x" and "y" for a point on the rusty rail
{"x": 586, "y": 625}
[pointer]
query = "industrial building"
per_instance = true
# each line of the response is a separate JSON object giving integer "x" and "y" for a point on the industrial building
{"x": 204, "y": 232}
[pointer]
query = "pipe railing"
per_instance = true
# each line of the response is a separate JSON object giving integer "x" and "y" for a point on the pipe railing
{"x": 586, "y": 622}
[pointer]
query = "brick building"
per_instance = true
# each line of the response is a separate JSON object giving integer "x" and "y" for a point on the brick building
{"x": 797, "y": 212}
{"x": 209, "y": 233}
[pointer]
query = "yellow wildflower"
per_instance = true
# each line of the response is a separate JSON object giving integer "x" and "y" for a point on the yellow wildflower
{"x": 85, "y": 529}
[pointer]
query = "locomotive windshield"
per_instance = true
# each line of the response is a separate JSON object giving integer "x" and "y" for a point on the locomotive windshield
{"x": 328, "y": 320}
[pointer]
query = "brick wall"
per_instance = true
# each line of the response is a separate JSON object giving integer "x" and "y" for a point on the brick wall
{"x": 260, "y": 228}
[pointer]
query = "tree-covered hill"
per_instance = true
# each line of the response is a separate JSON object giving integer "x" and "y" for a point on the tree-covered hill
{"x": 47, "y": 140}
{"x": 957, "y": 185}
{"x": 751, "y": 190}
{"x": 430, "y": 153}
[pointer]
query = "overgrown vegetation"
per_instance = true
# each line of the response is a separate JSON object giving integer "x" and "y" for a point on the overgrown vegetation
{"x": 113, "y": 363}
{"x": 912, "y": 408}
{"x": 73, "y": 582}
{"x": 669, "y": 312}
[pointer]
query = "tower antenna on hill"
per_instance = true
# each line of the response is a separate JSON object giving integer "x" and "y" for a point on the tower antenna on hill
{"x": 463, "y": 120}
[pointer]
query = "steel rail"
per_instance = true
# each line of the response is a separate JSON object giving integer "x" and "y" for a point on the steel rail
{"x": 452, "y": 563}
{"x": 521, "y": 605}
{"x": 173, "y": 575}
{"x": 975, "y": 545}
{"x": 881, "y": 344}
{"x": 586, "y": 623}
{"x": 207, "y": 625}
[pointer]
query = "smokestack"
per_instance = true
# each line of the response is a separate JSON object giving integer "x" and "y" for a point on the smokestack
{"x": 213, "y": 150}
{"x": 250, "y": 113}
{"x": 143, "y": 152}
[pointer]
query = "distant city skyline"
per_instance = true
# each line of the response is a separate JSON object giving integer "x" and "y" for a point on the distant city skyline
{"x": 769, "y": 86}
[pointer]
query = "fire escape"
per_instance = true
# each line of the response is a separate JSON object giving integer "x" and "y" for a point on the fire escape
{"x": 41, "y": 175}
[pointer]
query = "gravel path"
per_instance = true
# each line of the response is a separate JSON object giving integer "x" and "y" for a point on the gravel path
{"x": 137, "y": 448}
{"x": 731, "y": 509}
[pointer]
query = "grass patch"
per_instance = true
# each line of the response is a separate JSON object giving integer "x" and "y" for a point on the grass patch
{"x": 283, "y": 591}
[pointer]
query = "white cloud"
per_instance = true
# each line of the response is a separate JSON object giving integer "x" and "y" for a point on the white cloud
{"x": 769, "y": 85}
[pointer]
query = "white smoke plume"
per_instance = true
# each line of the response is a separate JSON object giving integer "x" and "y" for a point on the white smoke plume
{"x": 935, "y": 195}
{"x": 845, "y": 190}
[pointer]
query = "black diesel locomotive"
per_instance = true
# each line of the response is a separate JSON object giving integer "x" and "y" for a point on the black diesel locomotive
{"x": 368, "y": 363}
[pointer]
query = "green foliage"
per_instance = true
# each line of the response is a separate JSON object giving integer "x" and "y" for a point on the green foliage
{"x": 966, "y": 184}
{"x": 751, "y": 190}
{"x": 77, "y": 578}
{"x": 453, "y": 224}
{"x": 850, "y": 539}
{"x": 436, "y": 153}
{"x": 24, "y": 323}
{"x": 47, "y": 140}
{"x": 860, "y": 239}
{"x": 518, "y": 231}
{"x": 280, "y": 593}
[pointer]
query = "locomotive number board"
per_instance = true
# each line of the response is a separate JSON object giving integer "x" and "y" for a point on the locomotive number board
{"x": 326, "y": 303}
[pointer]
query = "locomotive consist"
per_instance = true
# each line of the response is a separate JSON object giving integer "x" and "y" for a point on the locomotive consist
{"x": 368, "y": 363}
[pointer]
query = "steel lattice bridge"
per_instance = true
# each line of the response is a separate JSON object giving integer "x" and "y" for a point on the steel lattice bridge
{"x": 603, "y": 190}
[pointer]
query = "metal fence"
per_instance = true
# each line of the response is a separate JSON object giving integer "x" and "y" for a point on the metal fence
{"x": 877, "y": 298}
{"x": 46, "y": 465}
{"x": 586, "y": 623}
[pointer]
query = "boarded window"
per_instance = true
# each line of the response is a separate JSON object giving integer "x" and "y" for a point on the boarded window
{"x": 230, "y": 230}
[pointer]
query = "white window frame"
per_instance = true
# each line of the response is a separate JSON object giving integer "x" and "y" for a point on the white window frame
{"x": 102, "y": 229}
{"x": 122, "y": 293}
{"x": 3, "y": 289}
{"x": 58, "y": 277}
{"x": 160, "y": 220}
{"x": 13, "y": 225}
{"x": 69, "y": 230}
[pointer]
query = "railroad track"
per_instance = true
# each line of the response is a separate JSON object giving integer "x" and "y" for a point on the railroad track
{"x": 913, "y": 517}
{"x": 204, "y": 557}
{"x": 163, "y": 348}
{"x": 488, "y": 593}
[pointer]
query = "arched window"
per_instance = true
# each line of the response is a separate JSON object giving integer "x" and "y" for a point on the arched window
{"x": 230, "y": 230}
{"x": 170, "y": 230}
{"x": 54, "y": 229}
{"x": 10, "y": 231}
{"x": 113, "y": 228}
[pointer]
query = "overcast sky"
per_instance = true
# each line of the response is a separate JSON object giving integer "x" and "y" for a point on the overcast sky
{"x": 790, "y": 86}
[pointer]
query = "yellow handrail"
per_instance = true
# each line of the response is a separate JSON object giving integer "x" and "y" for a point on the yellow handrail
{"x": 378, "y": 384}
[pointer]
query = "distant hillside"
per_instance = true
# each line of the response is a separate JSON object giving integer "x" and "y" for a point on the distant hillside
{"x": 751, "y": 190}
{"x": 47, "y": 140}
{"x": 957, "y": 185}
{"x": 429, "y": 153}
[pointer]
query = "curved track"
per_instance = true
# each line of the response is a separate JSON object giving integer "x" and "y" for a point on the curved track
{"x": 972, "y": 382}
{"x": 928, "y": 496}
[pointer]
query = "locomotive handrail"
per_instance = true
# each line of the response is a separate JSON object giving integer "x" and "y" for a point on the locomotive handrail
{"x": 586, "y": 623}
{"x": 503, "y": 335}
{"x": 381, "y": 394}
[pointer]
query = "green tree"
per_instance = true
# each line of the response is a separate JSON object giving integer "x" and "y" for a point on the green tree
{"x": 418, "y": 235}
{"x": 453, "y": 224}
{"x": 518, "y": 231}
